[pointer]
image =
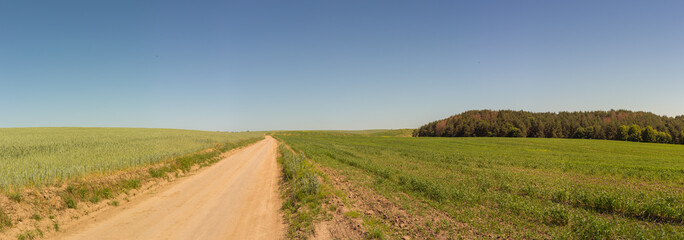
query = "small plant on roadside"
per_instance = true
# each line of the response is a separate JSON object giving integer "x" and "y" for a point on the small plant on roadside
{"x": 158, "y": 172}
{"x": 70, "y": 202}
{"x": 374, "y": 227}
{"x": 36, "y": 217}
{"x": 302, "y": 193}
{"x": 5, "y": 220}
{"x": 30, "y": 235}
{"x": 375, "y": 233}
{"x": 15, "y": 196}
{"x": 131, "y": 184}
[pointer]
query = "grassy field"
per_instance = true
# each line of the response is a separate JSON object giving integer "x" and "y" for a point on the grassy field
{"x": 376, "y": 132}
{"x": 515, "y": 187}
{"x": 39, "y": 156}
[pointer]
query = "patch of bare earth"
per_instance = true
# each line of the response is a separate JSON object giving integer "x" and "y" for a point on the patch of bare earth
{"x": 52, "y": 211}
{"x": 337, "y": 225}
{"x": 403, "y": 223}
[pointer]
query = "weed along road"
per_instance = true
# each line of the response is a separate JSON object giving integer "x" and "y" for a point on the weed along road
{"x": 236, "y": 198}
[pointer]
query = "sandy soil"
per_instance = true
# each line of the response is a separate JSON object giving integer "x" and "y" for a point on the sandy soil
{"x": 236, "y": 198}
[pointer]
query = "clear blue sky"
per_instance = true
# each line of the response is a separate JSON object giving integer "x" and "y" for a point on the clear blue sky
{"x": 256, "y": 65}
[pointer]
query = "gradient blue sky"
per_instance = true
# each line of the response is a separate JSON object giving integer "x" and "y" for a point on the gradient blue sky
{"x": 256, "y": 65}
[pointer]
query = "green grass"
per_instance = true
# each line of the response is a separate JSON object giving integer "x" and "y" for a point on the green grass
{"x": 520, "y": 187}
{"x": 15, "y": 196}
{"x": 371, "y": 132}
{"x": 302, "y": 194}
{"x": 41, "y": 156}
{"x": 30, "y": 235}
{"x": 36, "y": 217}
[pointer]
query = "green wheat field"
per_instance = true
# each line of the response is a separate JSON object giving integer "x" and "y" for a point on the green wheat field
{"x": 39, "y": 156}
{"x": 520, "y": 188}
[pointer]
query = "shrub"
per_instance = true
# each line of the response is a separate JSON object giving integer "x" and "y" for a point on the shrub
{"x": 69, "y": 201}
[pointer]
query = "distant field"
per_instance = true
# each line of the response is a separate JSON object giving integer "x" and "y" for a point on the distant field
{"x": 516, "y": 187}
{"x": 37, "y": 156}
{"x": 373, "y": 132}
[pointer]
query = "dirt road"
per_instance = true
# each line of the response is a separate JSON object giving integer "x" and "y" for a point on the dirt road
{"x": 236, "y": 198}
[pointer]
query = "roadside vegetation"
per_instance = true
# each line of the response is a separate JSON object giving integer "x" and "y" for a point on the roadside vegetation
{"x": 302, "y": 193}
{"x": 531, "y": 188}
{"x": 95, "y": 191}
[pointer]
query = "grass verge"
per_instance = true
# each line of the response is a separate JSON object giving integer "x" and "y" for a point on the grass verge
{"x": 302, "y": 194}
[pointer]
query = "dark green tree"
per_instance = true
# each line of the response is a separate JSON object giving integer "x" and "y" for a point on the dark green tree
{"x": 622, "y": 133}
{"x": 634, "y": 133}
{"x": 514, "y": 132}
{"x": 614, "y": 124}
{"x": 648, "y": 134}
{"x": 663, "y": 137}
{"x": 580, "y": 132}
{"x": 589, "y": 132}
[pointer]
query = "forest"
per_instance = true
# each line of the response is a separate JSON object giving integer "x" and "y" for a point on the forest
{"x": 613, "y": 125}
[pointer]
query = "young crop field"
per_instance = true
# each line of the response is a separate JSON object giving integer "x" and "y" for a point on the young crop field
{"x": 39, "y": 156}
{"x": 531, "y": 188}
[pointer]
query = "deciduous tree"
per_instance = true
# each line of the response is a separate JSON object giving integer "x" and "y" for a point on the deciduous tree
{"x": 634, "y": 133}
{"x": 648, "y": 134}
{"x": 623, "y": 133}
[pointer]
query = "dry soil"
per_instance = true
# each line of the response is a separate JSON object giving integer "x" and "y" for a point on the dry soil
{"x": 236, "y": 198}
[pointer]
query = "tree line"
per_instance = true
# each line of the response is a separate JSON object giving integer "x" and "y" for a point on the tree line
{"x": 614, "y": 125}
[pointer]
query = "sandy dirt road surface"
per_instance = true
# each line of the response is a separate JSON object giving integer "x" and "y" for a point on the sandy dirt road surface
{"x": 236, "y": 198}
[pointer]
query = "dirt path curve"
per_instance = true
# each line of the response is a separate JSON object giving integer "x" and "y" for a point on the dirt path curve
{"x": 236, "y": 198}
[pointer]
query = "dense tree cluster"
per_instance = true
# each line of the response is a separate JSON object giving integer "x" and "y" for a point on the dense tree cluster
{"x": 615, "y": 124}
